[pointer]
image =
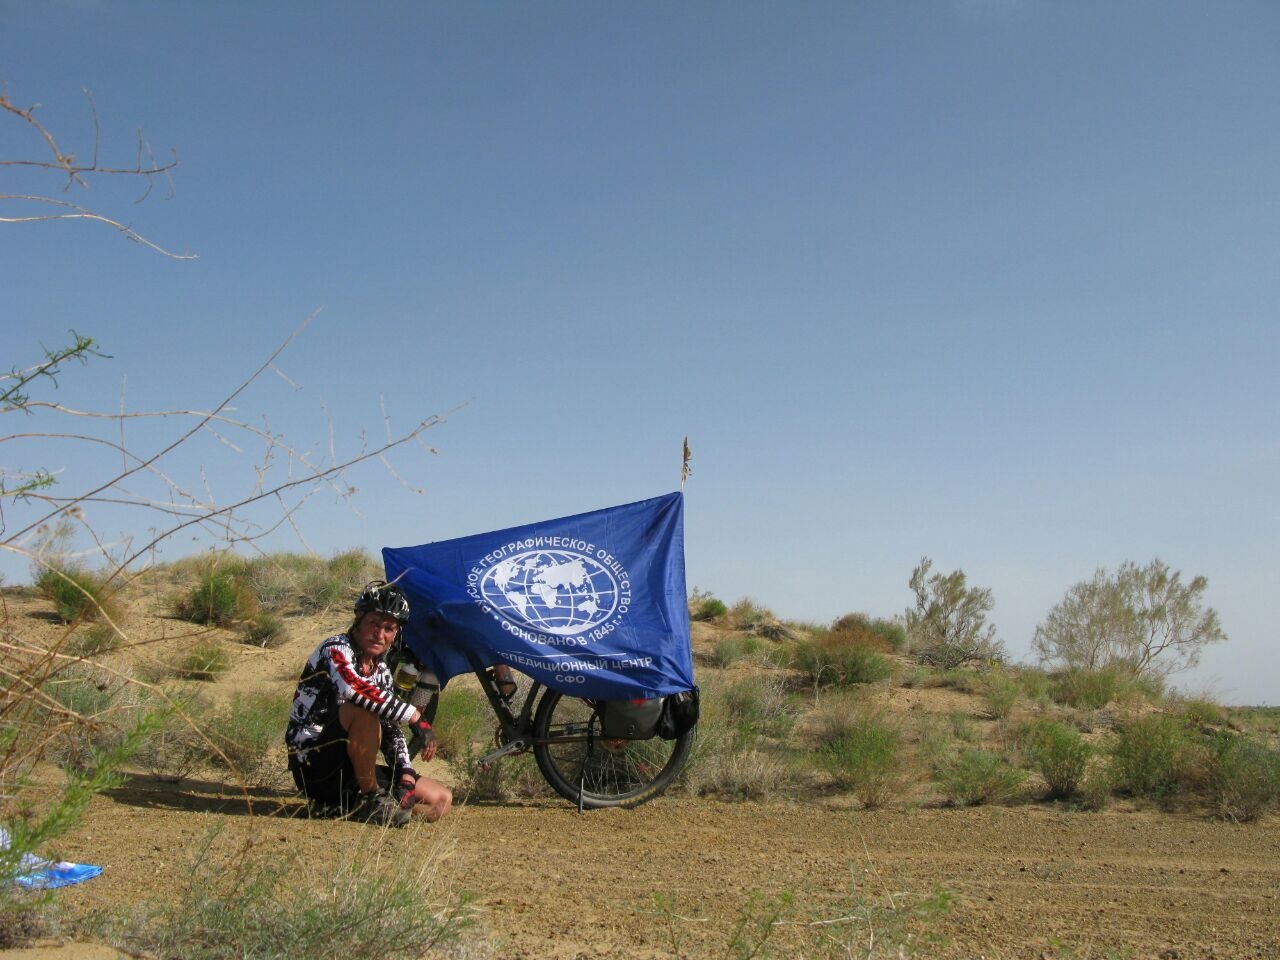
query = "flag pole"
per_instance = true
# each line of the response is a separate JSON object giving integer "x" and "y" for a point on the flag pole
{"x": 685, "y": 469}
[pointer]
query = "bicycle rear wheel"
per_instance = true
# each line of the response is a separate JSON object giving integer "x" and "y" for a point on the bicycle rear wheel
{"x": 611, "y": 773}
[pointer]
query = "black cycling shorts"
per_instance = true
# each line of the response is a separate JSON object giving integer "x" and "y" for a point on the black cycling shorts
{"x": 326, "y": 776}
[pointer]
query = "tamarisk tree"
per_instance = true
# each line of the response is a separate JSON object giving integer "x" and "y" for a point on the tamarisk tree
{"x": 948, "y": 625}
{"x": 1145, "y": 620}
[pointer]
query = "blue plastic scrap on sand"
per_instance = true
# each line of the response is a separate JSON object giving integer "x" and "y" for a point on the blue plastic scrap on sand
{"x": 47, "y": 875}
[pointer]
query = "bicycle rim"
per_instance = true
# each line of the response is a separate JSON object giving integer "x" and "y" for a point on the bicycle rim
{"x": 614, "y": 773}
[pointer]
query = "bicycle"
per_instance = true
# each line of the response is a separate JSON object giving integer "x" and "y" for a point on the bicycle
{"x": 567, "y": 737}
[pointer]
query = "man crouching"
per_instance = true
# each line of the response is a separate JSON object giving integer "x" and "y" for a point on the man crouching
{"x": 345, "y": 710}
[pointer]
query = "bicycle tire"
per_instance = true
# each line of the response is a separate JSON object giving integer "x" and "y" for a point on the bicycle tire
{"x": 617, "y": 773}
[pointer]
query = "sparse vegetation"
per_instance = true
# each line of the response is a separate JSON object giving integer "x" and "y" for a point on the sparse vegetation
{"x": 206, "y": 660}
{"x": 861, "y": 752}
{"x": 1094, "y": 689}
{"x": 93, "y": 640}
{"x": 857, "y": 927}
{"x": 260, "y": 905}
{"x": 1200, "y": 711}
{"x": 972, "y": 775}
{"x": 463, "y": 717}
{"x": 736, "y": 754}
{"x": 244, "y": 736}
{"x": 1000, "y": 692}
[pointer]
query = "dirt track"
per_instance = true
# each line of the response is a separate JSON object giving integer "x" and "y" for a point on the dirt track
{"x": 1027, "y": 881}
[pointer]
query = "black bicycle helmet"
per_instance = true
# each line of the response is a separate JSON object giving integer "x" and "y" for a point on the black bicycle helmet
{"x": 384, "y": 598}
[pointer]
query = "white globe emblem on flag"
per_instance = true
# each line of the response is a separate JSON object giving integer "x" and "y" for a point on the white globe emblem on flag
{"x": 558, "y": 592}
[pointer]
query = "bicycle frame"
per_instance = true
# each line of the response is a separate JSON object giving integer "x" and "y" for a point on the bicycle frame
{"x": 608, "y": 771}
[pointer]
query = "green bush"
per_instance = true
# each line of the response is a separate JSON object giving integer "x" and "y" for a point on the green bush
{"x": 264, "y": 629}
{"x": 1243, "y": 778}
{"x": 962, "y": 726}
{"x": 1098, "y": 784}
{"x": 864, "y": 756}
{"x": 76, "y": 594}
{"x": 1202, "y": 711}
{"x": 828, "y": 660}
{"x": 728, "y": 650}
{"x": 973, "y": 776}
{"x": 710, "y": 609}
{"x": 1089, "y": 689}
{"x": 1155, "y": 757}
{"x": 1036, "y": 684}
{"x": 207, "y": 660}
{"x": 220, "y": 598}
{"x": 1000, "y": 692}
{"x": 1060, "y": 755}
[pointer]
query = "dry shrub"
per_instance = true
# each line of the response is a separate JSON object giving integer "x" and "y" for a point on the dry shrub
{"x": 831, "y": 659}
{"x": 736, "y": 754}
{"x": 875, "y": 633}
{"x": 255, "y": 903}
{"x": 751, "y": 774}
{"x": 206, "y": 660}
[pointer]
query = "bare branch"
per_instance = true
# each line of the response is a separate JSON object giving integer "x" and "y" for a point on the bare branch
{"x": 83, "y": 213}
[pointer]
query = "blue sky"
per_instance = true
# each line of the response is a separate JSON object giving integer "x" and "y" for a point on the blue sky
{"x": 992, "y": 282}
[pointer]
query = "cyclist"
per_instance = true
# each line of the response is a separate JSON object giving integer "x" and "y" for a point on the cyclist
{"x": 345, "y": 711}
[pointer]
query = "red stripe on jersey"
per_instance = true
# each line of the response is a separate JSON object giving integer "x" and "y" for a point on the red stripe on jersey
{"x": 358, "y": 684}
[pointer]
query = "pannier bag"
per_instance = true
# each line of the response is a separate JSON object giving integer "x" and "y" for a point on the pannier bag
{"x": 630, "y": 719}
{"x": 679, "y": 714}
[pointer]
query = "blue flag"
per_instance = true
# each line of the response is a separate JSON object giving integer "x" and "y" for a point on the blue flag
{"x": 592, "y": 605}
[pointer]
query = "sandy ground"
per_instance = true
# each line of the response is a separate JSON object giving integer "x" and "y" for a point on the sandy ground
{"x": 1026, "y": 881}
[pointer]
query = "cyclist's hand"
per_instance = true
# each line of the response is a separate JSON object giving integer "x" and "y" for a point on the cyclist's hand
{"x": 422, "y": 739}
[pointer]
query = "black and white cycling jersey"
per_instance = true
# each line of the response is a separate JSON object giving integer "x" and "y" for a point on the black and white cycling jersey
{"x": 331, "y": 678}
